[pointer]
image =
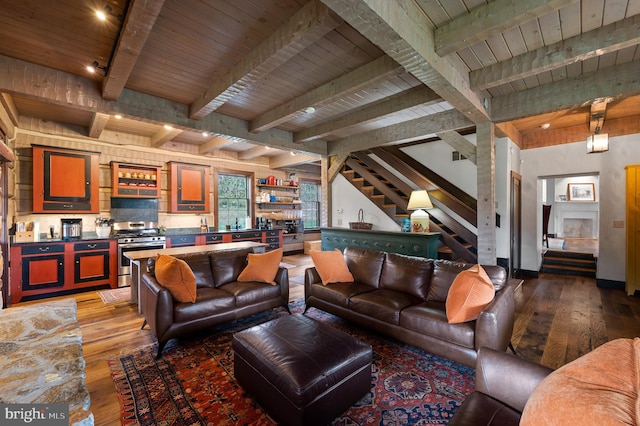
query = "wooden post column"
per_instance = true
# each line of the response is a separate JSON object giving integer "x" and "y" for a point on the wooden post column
{"x": 486, "y": 162}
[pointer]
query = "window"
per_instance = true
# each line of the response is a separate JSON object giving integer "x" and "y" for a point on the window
{"x": 234, "y": 196}
{"x": 310, "y": 197}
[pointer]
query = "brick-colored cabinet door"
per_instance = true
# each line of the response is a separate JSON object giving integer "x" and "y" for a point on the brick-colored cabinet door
{"x": 65, "y": 180}
{"x": 190, "y": 188}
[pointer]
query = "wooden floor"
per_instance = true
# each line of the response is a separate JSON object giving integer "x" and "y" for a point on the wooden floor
{"x": 558, "y": 318}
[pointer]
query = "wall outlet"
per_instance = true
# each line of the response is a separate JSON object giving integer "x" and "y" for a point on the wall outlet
{"x": 618, "y": 223}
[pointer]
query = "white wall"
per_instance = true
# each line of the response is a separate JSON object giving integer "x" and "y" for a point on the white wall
{"x": 346, "y": 200}
{"x": 572, "y": 159}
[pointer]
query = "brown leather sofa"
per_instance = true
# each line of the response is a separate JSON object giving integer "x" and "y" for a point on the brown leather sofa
{"x": 504, "y": 383}
{"x": 219, "y": 297}
{"x": 404, "y": 297}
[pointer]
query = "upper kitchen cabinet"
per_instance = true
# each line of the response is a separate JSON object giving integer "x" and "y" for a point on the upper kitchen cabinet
{"x": 65, "y": 180}
{"x": 189, "y": 188}
{"x": 135, "y": 181}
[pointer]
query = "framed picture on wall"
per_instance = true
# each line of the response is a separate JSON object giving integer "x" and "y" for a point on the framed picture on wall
{"x": 581, "y": 192}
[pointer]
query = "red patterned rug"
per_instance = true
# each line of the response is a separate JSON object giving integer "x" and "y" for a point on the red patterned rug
{"x": 193, "y": 383}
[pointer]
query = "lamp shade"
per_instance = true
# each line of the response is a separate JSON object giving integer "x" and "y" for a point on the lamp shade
{"x": 598, "y": 142}
{"x": 419, "y": 200}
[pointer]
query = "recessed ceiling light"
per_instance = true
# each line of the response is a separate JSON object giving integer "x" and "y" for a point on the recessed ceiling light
{"x": 91, "y": 69}
{"x": 309, "y": 110}
{"x": 293, "y": 153}
{"x": 166, "y": 126}
{"x": 118, "y": 116}
{"x": 101, "y": 15}
{"x": 546, "y": 126}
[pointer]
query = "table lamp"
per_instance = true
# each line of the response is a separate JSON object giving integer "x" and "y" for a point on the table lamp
{"x": 419, "y": 218}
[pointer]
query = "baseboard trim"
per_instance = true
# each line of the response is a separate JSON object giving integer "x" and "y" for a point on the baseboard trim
{"x": 530, "y": 274}
{"x": 610, "y": 284}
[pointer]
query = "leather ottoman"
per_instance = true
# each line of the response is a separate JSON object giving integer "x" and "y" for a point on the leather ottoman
{"x": 302, "y": 372}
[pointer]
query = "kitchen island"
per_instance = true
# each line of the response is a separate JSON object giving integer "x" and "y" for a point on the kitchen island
{"x": 140, "y": 258}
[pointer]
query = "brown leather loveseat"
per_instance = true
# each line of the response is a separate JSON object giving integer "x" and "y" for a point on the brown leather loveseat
{"x": 404, "y": 297}
{"x": 219, "y": 297}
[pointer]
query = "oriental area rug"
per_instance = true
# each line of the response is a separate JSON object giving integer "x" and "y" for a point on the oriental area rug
{"x": 193, "y": 383}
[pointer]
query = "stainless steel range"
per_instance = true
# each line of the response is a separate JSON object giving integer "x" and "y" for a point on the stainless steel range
{"x": 134, "y": 236}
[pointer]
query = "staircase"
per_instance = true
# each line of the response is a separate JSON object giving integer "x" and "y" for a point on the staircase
{"x": 391, "y": 195}
{"x": 569, "y": 263}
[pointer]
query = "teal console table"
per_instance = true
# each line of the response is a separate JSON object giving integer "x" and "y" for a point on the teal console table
{"x": 412, "y": 244}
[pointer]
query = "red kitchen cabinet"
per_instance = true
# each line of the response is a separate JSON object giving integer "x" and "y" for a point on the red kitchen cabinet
{"x": 189, "y": 188}
{"x": 65, "y": 180}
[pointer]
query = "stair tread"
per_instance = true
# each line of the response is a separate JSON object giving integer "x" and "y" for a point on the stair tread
{"x": 569, "y": 259}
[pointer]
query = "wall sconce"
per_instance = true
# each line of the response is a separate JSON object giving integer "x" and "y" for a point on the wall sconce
{"x": 419, "y": 218}
{"x": 597, "y": 142}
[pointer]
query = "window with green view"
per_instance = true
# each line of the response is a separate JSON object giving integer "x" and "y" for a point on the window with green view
{"x": 310, "y": 196}
{"x": 233, "y": 200}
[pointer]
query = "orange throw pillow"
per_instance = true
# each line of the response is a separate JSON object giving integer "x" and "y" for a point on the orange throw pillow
{"x": 176, "y": 276}
{"x": 598, "y": 388}
{"x": 469, "y": 293}
{"x": 262, "y": 267}
{"x": 331, "y": 266}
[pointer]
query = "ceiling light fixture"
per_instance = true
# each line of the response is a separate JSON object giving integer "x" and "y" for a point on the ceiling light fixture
{"x": 597, "y": 142}
{"x": 545, "y": 126}
{"x": 96, "y": 66}
{"x": 107, "y": 11}
{"x": 118, "y": 116}
{"x": 168, "y": 127}
{"x": 205, "y": 134}
{"x": 309, "y": 110}
{"x": 293, "y": 153}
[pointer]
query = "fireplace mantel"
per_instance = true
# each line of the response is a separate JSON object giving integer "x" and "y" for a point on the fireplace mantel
{"x": 568, "y": 214}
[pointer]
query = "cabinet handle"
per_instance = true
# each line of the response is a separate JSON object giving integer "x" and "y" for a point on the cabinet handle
{"x": 67, "y": 206}
{"x": 92, "y": 246}
{"x": 43, "y": 248}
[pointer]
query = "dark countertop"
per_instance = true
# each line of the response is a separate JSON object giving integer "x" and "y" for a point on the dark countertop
{"x": 196, "y": 231}
{"x": 88, "y": 236}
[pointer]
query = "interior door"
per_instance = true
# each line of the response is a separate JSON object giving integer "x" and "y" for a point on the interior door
{"x": 516, "y": 225}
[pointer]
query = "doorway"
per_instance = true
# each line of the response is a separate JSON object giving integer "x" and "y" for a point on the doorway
{"x": 574, "y": 220}
{"x": 516, "y": 225}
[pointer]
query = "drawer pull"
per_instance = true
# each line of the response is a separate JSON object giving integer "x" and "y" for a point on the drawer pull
{"x": 43, "y": 248}
{"x": 92, "y": 246}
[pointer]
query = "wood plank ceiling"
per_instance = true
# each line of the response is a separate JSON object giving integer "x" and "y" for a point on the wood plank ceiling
{"x": 235, "y": 77}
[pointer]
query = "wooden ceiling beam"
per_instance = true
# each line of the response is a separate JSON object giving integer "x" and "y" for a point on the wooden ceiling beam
{"x": 214, "y": 144}
{"x": 9, "y": 115}
{"x": 491, "y": 19}
{"x": 60, "y": 88}
{"x": 613, "y": 127}
{"x": 287, "y": 160}
{"x": 607, "y": 39}
{"x": 139, "y": 21}
{"x": 612, "y": 82}
{"x": 307, "y": 26}
{"x": 459, "y": 143}
{"x": 254, "y": 152}
{"x": 98, "y": 123}
{"x": 369, "y": 113}
{"x": 367, "y": 75}
{"x": 402, "y": 30}
{"x": 163, "y": 136}
{"x": 402, "y": 132}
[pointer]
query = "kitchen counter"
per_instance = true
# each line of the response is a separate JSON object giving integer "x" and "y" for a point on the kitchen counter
{"x": 196, "y": 231}
{"x": 89, "y": 236}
